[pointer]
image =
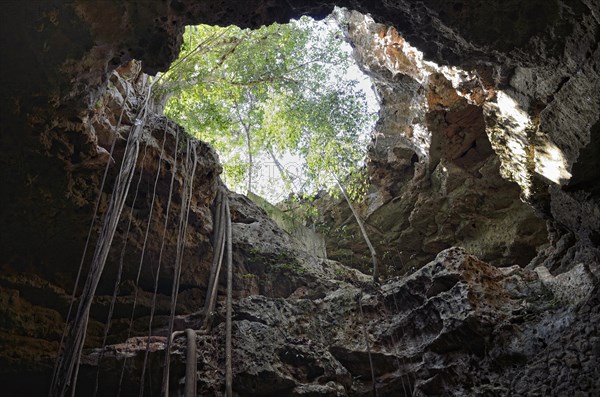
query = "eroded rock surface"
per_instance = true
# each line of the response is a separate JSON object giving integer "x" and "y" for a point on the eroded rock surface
{"x": 37, "y": 281}
{"x": 461, "y": 327}
{"x": 435, "y": 178}
{"x": 456, "y": 327}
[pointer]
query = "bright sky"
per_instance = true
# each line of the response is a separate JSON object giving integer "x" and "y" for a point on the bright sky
{"x": 267, "y": 181}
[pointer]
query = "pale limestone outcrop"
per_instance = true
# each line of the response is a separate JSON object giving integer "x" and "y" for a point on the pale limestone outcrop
{"x": 435, "y": 178}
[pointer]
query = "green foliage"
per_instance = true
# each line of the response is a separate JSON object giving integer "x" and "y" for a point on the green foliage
{"x": 281, "y": 90}
{"x": 293, "y": 267}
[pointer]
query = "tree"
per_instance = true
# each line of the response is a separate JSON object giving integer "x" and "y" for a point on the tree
{"x": 267, "y": 93}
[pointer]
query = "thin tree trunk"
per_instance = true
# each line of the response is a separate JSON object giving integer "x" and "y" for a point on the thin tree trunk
{"x": 250, "y": 161}
{"x": 282, "y": 171}
{"x": 248, "y": 145}
{"x": 362, "y": 230}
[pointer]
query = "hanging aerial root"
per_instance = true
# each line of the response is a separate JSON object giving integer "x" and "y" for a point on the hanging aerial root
{"x": 362, "y": 230}
{"x": 68, "y": 363}
{"x": 160, "y": 257}
{"x": 410, "y": 389}
{"x": 119, "y": 274}
{"x": 83, "y": 256}
{"x": 139, "y": 271}
{"x": 368, "y": 345}
{"x": 189, "y": 172}
{"x": 190, "y": 364}
{"x": 219, "y": 248}
{"x": 222, "y": 244}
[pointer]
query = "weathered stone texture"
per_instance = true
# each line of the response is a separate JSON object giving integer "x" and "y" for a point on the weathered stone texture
{"x": 435, "y": 177}
{"x": 456, "y": 327}
{"x": 523, "y": 106}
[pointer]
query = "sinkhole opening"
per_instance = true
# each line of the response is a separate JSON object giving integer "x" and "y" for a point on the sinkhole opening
{"x": 286, "y": 106}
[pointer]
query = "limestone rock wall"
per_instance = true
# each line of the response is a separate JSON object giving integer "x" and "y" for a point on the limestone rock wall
{"x": 542, "y": 55}
{"x": 542, "y": 60}
{"x": 436, "y": 180}
{"x": 35, "y": 297}
{"x": 60, "y": 100}
{"x": 456, "y": 327}
{"x": 44, "y": 248}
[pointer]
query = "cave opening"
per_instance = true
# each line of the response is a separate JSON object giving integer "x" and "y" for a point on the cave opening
{"x": 464, "y": 156}
{"x": 286, "y": 106}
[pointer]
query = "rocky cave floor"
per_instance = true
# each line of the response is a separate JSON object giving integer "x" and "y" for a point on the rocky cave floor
{"x": 456, "y": 327}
